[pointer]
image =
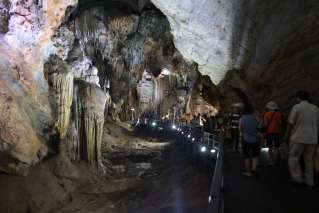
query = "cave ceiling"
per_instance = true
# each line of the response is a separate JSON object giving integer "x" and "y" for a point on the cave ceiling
{"x": 212, "y": 33}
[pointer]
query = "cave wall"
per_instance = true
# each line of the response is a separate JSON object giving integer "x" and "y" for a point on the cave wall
{"x": 26, "y": 29}
{"x": 272, "y": 43}
{"x": 286, "y": 53}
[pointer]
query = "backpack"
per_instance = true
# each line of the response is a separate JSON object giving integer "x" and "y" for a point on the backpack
{"x": 262, "y": 128}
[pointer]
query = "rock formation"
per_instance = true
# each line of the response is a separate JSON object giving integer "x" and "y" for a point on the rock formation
{"x": 88, "y": 107}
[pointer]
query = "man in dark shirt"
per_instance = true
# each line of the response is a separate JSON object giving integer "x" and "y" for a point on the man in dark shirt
{"x": 233, "y": 121}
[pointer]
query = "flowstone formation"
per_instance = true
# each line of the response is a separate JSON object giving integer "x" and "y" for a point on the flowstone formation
{"x": 88, "y": 106}
{"x": 60, "y": 80}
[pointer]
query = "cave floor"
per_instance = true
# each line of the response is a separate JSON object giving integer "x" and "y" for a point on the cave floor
{"x": 178, "y": 185}
{"x": 271, "y": 192}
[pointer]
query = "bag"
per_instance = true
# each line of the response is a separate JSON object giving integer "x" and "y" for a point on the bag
{"x": 261, "y": 127}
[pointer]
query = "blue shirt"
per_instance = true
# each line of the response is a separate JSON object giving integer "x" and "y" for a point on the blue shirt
{"x": 248, "y": 125}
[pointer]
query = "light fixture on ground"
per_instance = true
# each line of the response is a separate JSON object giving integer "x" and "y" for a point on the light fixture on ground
{"x": 213, "y": 151}
{"x": 174, "y": 126}
{"x": 203, "y": 149}
{"x": 265, "y": 149}
{"x": 182, "y": 133}
{"x": 189, "y": 136}
{"x": 193, "y": 139}
{"x": 153, "y": 123}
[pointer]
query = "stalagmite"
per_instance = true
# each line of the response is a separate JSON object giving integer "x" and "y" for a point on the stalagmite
{"x": 88, "y": 106}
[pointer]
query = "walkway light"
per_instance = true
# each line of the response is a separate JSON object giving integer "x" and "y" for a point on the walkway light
{"x": 203, "y": 149}
{"x": 213, "y": 151}
{"x": 182, "y": 133}
{"x": 174, "y": 126}
{"x": 189, "y": 136}
{"x": 153, "y": 123}
{"x": 193, "y": 139}
{"x": 265, "y": 149}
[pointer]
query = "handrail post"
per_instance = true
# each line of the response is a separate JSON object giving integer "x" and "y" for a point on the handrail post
{"x": 216, "y": 192}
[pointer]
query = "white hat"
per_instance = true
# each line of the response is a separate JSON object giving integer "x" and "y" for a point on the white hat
{"x": 271, "y": 105}
{"x": 238, "y": 105}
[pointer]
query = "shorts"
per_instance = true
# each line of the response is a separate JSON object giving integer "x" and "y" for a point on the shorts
{"x": 251, "y": 149}
{"x": 273, "y": 140}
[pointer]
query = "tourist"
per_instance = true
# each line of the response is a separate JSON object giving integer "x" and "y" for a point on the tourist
{"x": 233, "y": 121}
{"x": 272, "y": 127}
{"x": 302, "y": 132}
{"x": 250, "y": 138}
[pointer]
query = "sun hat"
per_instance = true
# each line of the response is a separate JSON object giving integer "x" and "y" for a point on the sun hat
{"x": 237, "y": 105}
{"x": 271, "y": 105}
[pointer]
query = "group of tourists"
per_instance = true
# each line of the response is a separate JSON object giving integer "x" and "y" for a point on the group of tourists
{"x": 250, "y": 130}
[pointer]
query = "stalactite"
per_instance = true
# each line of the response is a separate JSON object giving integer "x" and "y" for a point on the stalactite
{"x": 90, "y": 30}
{"x": 63, "y": 86}
{"x": 88, "y": 105}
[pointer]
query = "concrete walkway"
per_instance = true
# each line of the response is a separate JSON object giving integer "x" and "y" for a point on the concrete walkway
{"x": 270, "y": 193}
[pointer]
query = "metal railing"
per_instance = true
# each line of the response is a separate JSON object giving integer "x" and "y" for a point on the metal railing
{"x": 216, "y": 196}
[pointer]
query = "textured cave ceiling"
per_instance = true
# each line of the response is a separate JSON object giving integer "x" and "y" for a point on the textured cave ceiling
{"x": 223, "y": 35}
{"x": 205, "y": 31}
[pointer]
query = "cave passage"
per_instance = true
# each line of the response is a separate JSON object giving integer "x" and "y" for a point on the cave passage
{"x": 143, "y": 106}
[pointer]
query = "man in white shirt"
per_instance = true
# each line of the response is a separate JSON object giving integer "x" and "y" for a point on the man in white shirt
{"x": 303, "y": 135}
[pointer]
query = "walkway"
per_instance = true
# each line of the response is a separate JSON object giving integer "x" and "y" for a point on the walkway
{"x": 182, "y": 188}
{"x": 271, "y": 193}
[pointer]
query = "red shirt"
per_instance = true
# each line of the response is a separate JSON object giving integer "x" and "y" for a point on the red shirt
{"x": 275, "y": 119}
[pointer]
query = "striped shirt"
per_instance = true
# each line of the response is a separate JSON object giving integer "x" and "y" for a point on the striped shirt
{"x": 234, "y": 120}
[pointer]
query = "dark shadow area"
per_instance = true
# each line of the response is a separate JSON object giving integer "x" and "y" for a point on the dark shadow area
{"x": 271, "y": 192}
{"x": 275, "y": 43}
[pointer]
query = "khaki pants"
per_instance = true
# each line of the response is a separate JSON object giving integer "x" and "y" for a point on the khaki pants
{"x": 296, "y": 150}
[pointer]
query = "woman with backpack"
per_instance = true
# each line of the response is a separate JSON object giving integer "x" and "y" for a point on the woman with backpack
{"x": 272, "y": 128}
